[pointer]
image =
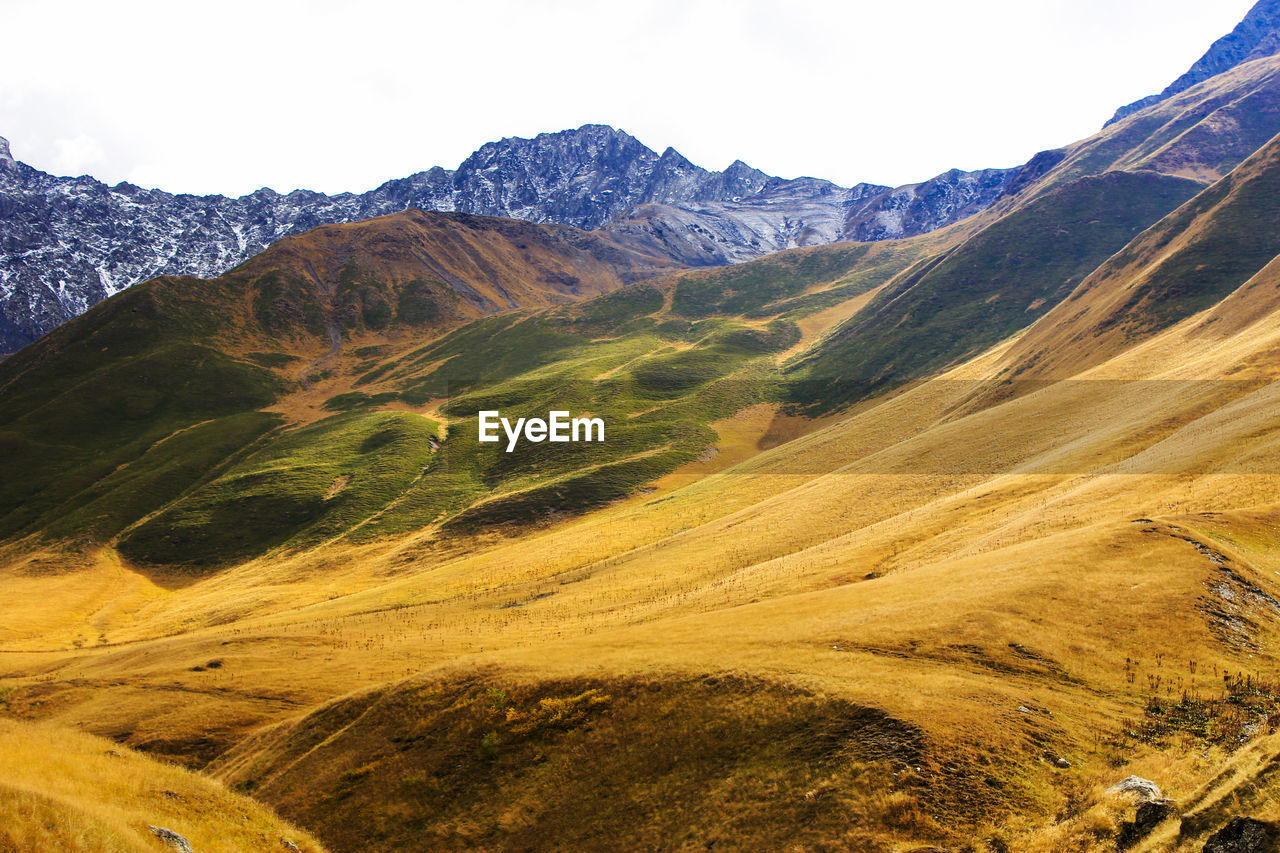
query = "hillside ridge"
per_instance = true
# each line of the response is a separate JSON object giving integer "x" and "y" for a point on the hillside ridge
{"x": 1255, "y": 37}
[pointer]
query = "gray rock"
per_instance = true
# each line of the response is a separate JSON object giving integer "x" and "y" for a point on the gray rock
{"x": 1242, "y": 835}
{"x": 1136, "y": 787}
{"x": 173, "y": 839}
{"x": 1061, "y": 763}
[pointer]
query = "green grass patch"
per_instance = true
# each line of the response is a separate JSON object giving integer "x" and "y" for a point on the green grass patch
{"x": 300, "y": 488}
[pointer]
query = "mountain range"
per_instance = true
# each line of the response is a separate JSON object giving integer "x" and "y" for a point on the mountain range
{"x": 71, "y": 242}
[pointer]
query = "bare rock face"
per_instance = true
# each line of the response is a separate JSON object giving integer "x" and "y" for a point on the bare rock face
{"x": 784, "y": 215}
{"x": 1257, "y": 36}
{"x": 921, "y": 208}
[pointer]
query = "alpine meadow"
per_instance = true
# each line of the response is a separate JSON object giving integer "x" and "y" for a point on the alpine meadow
{"x": 582, "y": 499}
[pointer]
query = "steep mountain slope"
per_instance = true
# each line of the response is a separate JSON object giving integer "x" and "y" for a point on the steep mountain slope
{"x": 1200, "y": 134}
{"x": 71, "y": 242}
{"x": 1257, "y": 36}
{"x": 1189, "y": 261}
{"x": 1061, "y": 216}
{"x": 925, "y": 207}
{"x": 959, "y": 303}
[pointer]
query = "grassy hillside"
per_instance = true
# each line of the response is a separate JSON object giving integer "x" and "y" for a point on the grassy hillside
{"x": 921, "y": 622}
{"x": 491, "y": 763}
{"x": 194, "y": 425}
{"x": 161, "y": 390}
{"x": 99, "y": 392}
{"x": 999, "y": 281}
{"x": 62, "y": 790}
{"x": 1192, "y": 259}
{"x": 307, "y": 485}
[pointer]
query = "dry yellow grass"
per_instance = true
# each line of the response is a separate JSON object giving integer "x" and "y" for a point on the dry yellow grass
{"x": 66, "y": 791}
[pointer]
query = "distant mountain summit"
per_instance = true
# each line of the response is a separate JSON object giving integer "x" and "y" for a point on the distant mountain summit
{"x": 586, "y": 177}
{"x": 583, "y": 177}
{"x": 1256, "y": 37}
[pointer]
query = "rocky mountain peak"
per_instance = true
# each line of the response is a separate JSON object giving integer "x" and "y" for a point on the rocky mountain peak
{"x": 1256, "y": 37}
{"x": 674, "y": 158}
{"x": 6, "y": 158}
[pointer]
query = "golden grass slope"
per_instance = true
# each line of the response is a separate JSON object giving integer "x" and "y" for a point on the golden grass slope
{"x": 68, "y": 791}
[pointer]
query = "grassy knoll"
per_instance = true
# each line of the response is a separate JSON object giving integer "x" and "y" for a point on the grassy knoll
{"x": 488, "y": 763}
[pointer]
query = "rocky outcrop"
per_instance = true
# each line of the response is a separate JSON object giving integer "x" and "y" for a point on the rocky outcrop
{"x": 1149, "y": 816}
{"x": 1257, "y": 36}
{"x": 587, "y": 177}
{"x": 803, "y": 212}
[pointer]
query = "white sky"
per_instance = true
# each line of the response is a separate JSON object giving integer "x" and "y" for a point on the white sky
{"x": 231, "y": 96}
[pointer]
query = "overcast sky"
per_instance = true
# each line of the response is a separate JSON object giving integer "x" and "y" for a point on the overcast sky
{"x": 231, "y": 96}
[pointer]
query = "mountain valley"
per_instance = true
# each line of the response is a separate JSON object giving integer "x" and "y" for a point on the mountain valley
{"x": 924, "y": 519}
